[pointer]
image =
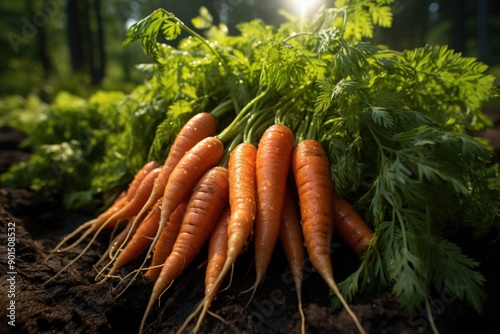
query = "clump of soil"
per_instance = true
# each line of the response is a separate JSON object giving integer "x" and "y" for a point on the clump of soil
{"x": 74, "y": 303}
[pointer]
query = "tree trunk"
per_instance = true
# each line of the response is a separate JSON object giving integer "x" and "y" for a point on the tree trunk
{"x": 74, "y": 36}
{"x": 98, "y": 71}
{"x": 482, "y": 30}
{"x": 459, "y": 18}
{"x": 87, "y": 38}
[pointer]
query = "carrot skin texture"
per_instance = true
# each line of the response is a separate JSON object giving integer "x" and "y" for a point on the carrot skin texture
{"x": 242, "y": 197}
{"x": 194, "y": 164}
{"x": 204, "y": 208}
{"x": 209, "y": 198}
{"x": 205, "y": 154}
{"x": 311, "y": 170}
{"x": 242, "y": 201}
{"x": 217, "y": 255}
{"x": 166, "y": 241}
{"x": 273, "y": 160}
{"x": 350, "y": 227}
{"x": 140, "y": 240}
{"x": 291, "y": 241}
{"x": 198, "y": 127}
{"x": 217, "y": 250}
{"x": 315, "y": 188}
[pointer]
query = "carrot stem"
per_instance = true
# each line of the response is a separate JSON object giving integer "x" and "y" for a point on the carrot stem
{"x": 222, "y": 108}
{"x": 237, "y": 124}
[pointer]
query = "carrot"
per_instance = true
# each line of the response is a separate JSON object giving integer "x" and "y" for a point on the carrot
{"x": 120, "y": 239}
{"x": 217, "y": 255}
{"x": 139, "y": 176}
{"x": 217, "y": 250}
{"x": 166, "y": 241}
{"x": 141, "y": 239}
{"x": 312, "y": 175}
{"x": 135, "y": 204}
{"x": 273, "y": 160}
{"x": 198, "y": 127}
{"x": 93, "y": 224}
{"x": 291, "y": 241}
{"x": 350, "y": 227}
{"x": 204, "y": 208}
{"x": 205, "y": 154}
{"x": 132, "y": 206}
{"x": 242, "y": 201}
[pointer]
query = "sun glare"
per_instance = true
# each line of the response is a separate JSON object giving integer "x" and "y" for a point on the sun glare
{"x": 305, "y": 7}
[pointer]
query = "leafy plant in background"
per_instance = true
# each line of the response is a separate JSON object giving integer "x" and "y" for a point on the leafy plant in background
{"x": 397, "y": 125}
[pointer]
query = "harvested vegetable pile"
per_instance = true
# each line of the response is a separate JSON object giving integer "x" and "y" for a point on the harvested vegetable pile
{"x": 395, "y": 129}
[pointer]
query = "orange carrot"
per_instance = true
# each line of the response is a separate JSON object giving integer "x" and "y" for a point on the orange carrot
{"x": 273, "y": 160}
{"x": 217, "y": 250}
{"x": 217, "y": 255}
{"x": 350, "y": 227}
{"x": 135, "y": 204}
{"x": 242, "y": 198}
{"x": 204, "y": 208}
{"x": 198, "y": 127}
{"x": 291, "y": 241}
{"x": 166, "y": 241}
{"x": 139, "y": 176}
{"x": 94, "y": 224}
{"x": 312, "y": 174}
{"x": 141, "y": 239}
{"x": 205, "y": 154}
{"x": 130, "y": 193}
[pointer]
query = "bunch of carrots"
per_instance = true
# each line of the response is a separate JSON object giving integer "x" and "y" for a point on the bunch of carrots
{"x": 170, "y": 211}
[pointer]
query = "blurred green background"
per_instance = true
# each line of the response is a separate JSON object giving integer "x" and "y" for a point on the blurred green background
{"x": 75, "y": 45}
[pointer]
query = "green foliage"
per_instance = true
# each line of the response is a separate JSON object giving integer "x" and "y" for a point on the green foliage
{"x": 397, "y": 128}
{"x": 363, "y": 16}
{"x": 21, "y": 113}
{"x": 69, "y": 139}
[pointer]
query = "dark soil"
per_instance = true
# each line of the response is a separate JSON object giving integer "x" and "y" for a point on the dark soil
{"x": 74, "y": 303}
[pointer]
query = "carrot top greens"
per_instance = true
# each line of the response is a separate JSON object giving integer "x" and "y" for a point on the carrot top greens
{"x": 397, "y": 127}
